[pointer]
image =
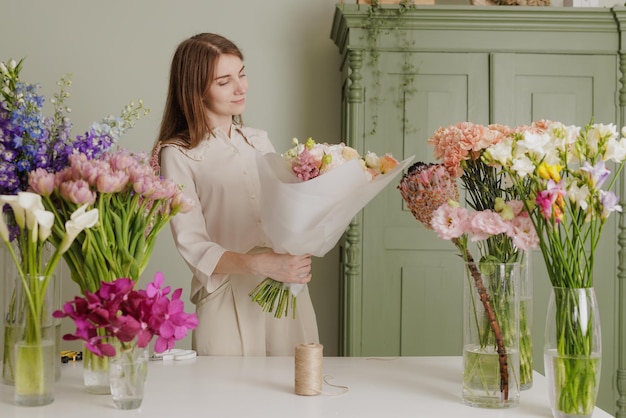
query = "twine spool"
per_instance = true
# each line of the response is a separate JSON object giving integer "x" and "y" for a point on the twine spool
{"x": 308, "y": 364}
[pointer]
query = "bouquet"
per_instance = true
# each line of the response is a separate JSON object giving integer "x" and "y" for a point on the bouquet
{"x": 564, "y": 174}
{"x": 132, "y": 317}
{"x": 309, "y": 195}
{"x": 431, "y": 194}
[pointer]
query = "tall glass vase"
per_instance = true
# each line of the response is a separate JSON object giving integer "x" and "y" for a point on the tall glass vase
{"x": 11, "y": 318}
{"x": 573, "y": 351}
{"x": 525, "y": 321}
{"x": 34, "y": 344}
{"x": 491, "y": 335}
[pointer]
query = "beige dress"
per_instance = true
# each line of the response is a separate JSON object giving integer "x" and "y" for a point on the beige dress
{"x": 221, "y": 177}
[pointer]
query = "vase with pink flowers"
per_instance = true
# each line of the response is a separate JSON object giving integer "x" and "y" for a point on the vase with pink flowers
{"x": 491, "y": 309}
{"x": 132, "y": 318}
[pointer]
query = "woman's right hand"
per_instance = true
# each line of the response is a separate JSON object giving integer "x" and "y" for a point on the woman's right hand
{"x": 284, "y": 267}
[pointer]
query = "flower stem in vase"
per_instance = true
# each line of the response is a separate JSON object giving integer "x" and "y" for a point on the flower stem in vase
{"x": 493, "y": 322}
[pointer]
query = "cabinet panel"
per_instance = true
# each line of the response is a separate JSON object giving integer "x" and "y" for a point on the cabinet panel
{"x": 567, "y": 88}
{"x": 403, "y": 262}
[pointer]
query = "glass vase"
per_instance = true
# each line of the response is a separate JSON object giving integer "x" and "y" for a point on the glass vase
{"x": 526, "y": 365}
{"x": 34, "y": 345}
{"x": 11, "y": 313}
{"x": 128, "y": 374}
{"x": 573, "y": 351}
{"x": 491, "y": 335}
{"x": 96, "y": 370}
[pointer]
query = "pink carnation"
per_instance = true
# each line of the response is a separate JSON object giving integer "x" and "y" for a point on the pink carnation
{"x": 450, "y": 221}
{"x": 486, "y": 223}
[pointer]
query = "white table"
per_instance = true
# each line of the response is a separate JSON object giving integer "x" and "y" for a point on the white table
{"x": 220, "y": 387}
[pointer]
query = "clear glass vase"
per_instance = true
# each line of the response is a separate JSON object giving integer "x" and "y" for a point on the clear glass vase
{"x": 128, "y": 374}
{"x": 491, "y": 356}
{"x": 34, "y": 345}
{"x": 13, "y": 318}
{"x": 573, "y": 351}
{"x": 96, "y": 370}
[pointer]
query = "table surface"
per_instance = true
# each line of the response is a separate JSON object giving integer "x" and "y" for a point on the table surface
{"x": 264, "y": 387}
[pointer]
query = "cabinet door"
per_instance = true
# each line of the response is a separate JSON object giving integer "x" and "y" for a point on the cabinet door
{"x": 412, "y": 280}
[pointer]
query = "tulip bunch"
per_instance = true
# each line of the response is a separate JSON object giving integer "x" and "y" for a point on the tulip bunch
{"x": 134, "y": 206}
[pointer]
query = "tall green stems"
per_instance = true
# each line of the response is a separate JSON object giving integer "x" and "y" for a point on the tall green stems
{"x": 573, "y": 351}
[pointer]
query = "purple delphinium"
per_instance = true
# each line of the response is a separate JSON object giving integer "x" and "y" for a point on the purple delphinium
{"x": 31, "y": 140}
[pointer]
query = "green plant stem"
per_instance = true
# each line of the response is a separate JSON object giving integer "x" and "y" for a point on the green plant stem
{"x": 493, "y": 322}
{"x": 576, "y": 366}
{"x": 274, "y": 296}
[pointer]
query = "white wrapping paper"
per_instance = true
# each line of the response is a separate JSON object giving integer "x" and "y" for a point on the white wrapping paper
{"x": 309, "y": 217}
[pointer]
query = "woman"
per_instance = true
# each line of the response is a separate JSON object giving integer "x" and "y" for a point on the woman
{"x": 204, "y": 146}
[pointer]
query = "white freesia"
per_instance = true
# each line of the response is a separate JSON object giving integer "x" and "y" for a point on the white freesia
{"x": 502, "y": 152}
{"x": 615, "y": 150}
{"x": 579, "y": 195}
{"x": 536, "y": 143}
{"x": 523, "y": 166}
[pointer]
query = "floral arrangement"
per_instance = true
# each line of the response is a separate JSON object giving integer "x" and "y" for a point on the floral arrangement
{"x": 564, "y": 175}
{"x": 132, "y": 317}
{"x": 34, "y": 272}
{"x": 134, "y": 207}
{"x": 39, "y": 154}
{"x": 460, "y": 148}
{"x": 431, "y": 194}
{"x": 313, "y": 190}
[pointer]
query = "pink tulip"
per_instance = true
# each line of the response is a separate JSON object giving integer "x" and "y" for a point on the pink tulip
{"x": 41, "y": 182}
{"x": 112, "y": 182}
{"x": 77, "y": 192}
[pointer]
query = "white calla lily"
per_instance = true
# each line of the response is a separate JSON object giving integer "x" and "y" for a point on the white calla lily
{"x": 4, "y": 229}
{"x": 79, "y": 220}
{"x": 18, "y": 211}
{"x": 45, "y": 221}
{"x": 30, "y": 202}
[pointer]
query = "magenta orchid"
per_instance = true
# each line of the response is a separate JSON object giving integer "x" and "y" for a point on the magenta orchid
{"x": 130, "y": 316}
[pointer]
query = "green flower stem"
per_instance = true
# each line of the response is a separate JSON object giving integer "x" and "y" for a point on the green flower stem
{"x": 576, "y": 367}
{"x": 526, "y": 348}
{"x": 491, "y": 316}
{"x": 274, "y": 296}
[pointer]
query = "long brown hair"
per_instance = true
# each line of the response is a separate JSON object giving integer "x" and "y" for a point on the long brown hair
{"x": 185, "y": 120}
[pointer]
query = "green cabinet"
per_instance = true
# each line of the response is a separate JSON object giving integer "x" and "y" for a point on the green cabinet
{"x": 436, "y": 66}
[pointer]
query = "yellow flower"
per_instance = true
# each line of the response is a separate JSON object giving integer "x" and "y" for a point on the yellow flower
{"x": 547, "y": 171}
